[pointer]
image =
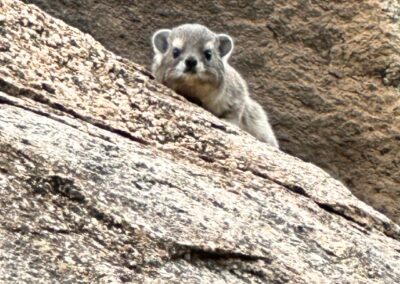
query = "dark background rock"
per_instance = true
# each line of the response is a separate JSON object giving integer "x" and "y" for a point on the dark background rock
{"x": 108, "y": 177}
{"x": 326, "y": 72}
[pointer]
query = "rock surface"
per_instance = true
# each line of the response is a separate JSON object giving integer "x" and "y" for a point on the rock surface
{"x": 108, "y": 177}
{"x": 326, "y": 71}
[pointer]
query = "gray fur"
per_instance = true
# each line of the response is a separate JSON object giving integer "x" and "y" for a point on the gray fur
{"x": 218, "y": 86}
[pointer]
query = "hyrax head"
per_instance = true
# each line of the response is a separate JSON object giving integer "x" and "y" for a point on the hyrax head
{"x": 190, "y": 58}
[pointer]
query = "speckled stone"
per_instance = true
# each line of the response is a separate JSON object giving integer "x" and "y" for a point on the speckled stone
{"x": 108, "y": 177}
{"x": 327, "y": 72}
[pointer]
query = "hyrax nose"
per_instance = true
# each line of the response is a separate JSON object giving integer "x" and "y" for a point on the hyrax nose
{"x": 190, "y": 62}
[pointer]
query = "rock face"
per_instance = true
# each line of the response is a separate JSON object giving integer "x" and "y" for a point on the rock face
{"x": 326, "y": 71}
{"x": 108, "y": 177}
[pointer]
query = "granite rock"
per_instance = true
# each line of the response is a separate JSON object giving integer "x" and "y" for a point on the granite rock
{"x": 327, "y": 72}
{"x": 108, "y": 177}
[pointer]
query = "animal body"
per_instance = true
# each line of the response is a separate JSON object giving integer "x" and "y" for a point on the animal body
{"x": 193, "y": 61}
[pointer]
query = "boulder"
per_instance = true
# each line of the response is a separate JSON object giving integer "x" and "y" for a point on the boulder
{"x": 327, "y": 72}
{"x": 108, "y": 177}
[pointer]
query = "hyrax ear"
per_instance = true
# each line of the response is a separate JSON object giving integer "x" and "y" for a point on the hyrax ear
{"x": 225, "y": 47}
{"x": 160, "y": 40}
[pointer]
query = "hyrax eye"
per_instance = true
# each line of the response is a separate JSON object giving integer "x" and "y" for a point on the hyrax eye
{"x": 176, "y": 52}
{"x": 208, "y": 54}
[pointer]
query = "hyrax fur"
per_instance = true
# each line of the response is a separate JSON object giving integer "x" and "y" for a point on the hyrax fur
{"x": 193, "y": 61}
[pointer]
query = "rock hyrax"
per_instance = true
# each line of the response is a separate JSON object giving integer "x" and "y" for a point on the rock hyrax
{"x": 193, "y": 61}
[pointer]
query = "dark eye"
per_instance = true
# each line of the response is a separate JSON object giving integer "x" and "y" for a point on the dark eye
{"x": 176, "y": 52}
{"x": 208, "y": 54}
